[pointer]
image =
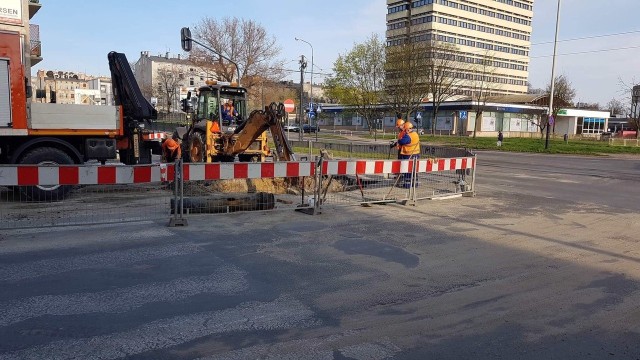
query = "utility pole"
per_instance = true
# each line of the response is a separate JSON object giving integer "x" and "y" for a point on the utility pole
{"x": 303, "y": 66}
{"x": 553, "y": 77}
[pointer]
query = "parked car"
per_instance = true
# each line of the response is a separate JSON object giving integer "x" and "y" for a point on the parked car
{"x": 292, "y": 128}
{"x": 310, "y": 128}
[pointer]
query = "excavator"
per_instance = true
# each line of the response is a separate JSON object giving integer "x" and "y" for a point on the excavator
{"x": 204, "y": 141}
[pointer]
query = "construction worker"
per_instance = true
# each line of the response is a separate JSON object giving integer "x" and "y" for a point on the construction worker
{"x": 409, "y": 148}
{"x": 229, "y": 112}
{"x": 171, "y": 149}
{"x": 400, "y": 128}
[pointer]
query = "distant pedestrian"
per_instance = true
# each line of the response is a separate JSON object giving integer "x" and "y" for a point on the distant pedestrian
{"x": 500, "y": 138}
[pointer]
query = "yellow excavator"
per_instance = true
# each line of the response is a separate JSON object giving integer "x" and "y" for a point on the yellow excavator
{"x": 241, "y": 136}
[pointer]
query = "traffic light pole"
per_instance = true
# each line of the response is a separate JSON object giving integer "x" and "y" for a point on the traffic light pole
{"x": 303, "y": 65}
{"x": 550, "y": 119}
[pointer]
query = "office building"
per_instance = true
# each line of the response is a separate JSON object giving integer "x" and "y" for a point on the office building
{"x": 493, "y": 32}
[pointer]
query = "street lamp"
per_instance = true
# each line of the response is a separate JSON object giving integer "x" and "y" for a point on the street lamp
{"x": 553, "y": 77}
{"x": 311, "y": 88}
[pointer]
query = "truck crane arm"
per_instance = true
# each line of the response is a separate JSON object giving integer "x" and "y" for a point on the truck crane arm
{"x": 126, "y": 91}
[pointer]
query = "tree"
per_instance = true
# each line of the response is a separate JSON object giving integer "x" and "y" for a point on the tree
{"x": 358, "y": 78}
{"x": 246, "y": 43}
{"x": 615, "y": 107}
{"x": 404, "y": 86}
{"x": 267, "y": 91}
{"x": 443, "y": 75}
{"x": 632, "y": 91}
{"x": 587, "y": 106}
{"x": 168, "y": 79}
{"x": 482, "y": 73}
{"x": 532, "y": 90}
{"x": 563, "y": 94}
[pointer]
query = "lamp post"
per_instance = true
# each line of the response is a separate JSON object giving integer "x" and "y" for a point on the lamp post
{"x": 553, "y": 77}
{"x": 311, "y": 87}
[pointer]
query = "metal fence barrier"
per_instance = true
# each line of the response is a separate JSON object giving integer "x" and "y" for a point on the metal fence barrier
{"x": 92, "y": 194}
{"x": 373, "y": 150}
{"x": 109, "y": 194}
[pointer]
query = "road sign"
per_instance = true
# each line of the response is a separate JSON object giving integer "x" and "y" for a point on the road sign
{"x": 551, "y": 120}
{"x": 312, "y": 114}
{"x": 463, "y": 115}
{"x": 289, "y": 105}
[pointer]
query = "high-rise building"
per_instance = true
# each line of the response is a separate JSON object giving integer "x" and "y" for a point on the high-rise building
{"x": 493, "y": 32}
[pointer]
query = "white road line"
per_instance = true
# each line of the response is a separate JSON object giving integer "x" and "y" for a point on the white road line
{"x": 227, "y": 280}
{"x": 282, "y": 313}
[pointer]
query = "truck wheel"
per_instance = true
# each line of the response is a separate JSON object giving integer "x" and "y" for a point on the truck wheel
{"x": 197, "y": 147}
{"x": 46, "y": 156}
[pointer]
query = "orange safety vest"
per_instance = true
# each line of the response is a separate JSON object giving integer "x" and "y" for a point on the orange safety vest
{"x": 413, "y": 148}
{"x": 171, "y": 149}
{"x": 215, "y": 127}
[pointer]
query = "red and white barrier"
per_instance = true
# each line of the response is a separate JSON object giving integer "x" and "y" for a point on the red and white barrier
{"x": 436, "y": 165}
{"x": 31, "y": 175}
{"x": 228, "y": 171}
{"x": 381, "y": 167}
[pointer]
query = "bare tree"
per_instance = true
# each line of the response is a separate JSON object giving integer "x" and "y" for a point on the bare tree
{"x": 404, "y": 86}
{"x": 358, "y": 78}
{"x": 443, "y": 75}
{"x": 587, "y": 106}
{"x": 483, "y": 71}
{"x": 267, "y": 91}
{"x": 168, "y": 81}
{"x": 246, "y": 43}
{"x": 632, "y": 90}
{"x": 615, "y": 107}
{"x": 562, "y": 97}
{"x": 532, "y": 90}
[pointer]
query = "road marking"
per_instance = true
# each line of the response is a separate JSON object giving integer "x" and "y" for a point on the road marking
{"x": 280, "y": 314}
{"x": 227, "y": 280}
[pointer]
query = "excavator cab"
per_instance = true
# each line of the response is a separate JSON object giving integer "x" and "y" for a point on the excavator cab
{"x": 219, "y": 112}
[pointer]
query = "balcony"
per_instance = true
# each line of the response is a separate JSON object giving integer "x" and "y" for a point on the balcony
{"x": 35, "y": 45}
{"x": 34, "y": 6}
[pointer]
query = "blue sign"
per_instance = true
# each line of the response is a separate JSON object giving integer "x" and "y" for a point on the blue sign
{"x": 312, "y": 114}
{"x": 463, "y": 115}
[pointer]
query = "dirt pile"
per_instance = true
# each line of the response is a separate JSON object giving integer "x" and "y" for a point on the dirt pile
{"x": 290, "y": 186}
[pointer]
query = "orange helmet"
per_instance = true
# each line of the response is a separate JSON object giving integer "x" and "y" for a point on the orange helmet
{"x": 407, "y": 125}
{"x": 399, "y": 123}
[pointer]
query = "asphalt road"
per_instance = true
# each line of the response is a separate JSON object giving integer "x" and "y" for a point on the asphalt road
{"x": 543, "y": 263}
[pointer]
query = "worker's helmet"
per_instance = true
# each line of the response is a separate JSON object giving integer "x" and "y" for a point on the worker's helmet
{"x": 399, "y": 123}
{"x": 407, "y": 125}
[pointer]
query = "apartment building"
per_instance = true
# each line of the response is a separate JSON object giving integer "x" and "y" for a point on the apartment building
{"x": 493, "y": 32}
{"x": 65, "y": 87}
{"x": 151, "y": 74}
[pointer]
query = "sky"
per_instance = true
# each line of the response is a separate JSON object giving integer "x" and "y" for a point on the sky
{"x": 77, "y": 35}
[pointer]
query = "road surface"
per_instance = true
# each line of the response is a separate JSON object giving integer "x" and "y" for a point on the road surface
{"x": 543, "y": 263}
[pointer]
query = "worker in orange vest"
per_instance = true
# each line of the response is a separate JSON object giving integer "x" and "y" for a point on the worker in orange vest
{"x": 400, "y": 128}
{"x": 171, "y": 150}
{"x": 409, "y": 148}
